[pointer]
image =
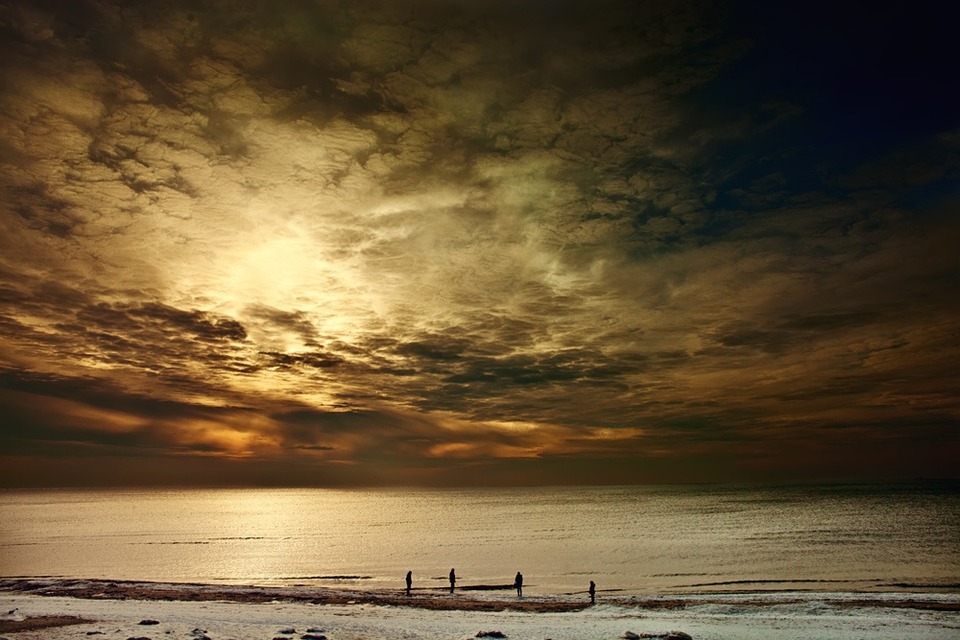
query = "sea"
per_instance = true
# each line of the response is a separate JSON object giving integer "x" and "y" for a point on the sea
{"x": 657, "y": 540}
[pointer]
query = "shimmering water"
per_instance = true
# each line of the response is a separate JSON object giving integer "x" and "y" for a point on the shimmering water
{"x": 638, "y": 539}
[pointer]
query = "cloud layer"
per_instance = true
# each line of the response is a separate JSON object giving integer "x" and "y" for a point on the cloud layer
{"x": 446, "y": 242}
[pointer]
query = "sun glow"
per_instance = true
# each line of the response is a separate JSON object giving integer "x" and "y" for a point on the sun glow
{"x": 223, "y": 439}
{"x": 293, "y": 270}
{"x": 277, "y": 270}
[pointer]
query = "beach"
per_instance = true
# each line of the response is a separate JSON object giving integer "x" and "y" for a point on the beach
{"x": 73, "y": 609}
{"x": 830, "y": 563}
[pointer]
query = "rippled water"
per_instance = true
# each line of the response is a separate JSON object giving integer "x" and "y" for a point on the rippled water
{"x": 638, "y": 539}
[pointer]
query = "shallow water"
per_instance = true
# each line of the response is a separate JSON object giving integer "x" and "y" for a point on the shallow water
{"x": 636, "y": 539}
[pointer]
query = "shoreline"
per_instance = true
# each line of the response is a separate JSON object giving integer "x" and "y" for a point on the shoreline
{"x": 477, "y": 598}
{"x": 120, "y": 609}
{"x": 432, "y": 599}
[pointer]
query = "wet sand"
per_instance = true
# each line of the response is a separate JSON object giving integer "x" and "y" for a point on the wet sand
{"x": 40, "y": 622}
{"x": 73, "y": 609}
{"x": 468, "y": 598}
{"x": 437, "y": 600}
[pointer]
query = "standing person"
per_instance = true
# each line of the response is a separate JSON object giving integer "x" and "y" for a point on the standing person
{"x": 453, "y": 579}
{"x": 518, "y": 583}
{"x": 409, "y": 581}
{"x": 593, "y": 593}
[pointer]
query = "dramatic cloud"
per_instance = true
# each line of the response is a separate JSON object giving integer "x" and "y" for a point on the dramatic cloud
{"x": 440, "y": 242}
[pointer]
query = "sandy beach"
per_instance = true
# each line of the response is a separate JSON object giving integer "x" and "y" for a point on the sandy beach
{"x": 75, "y": 609}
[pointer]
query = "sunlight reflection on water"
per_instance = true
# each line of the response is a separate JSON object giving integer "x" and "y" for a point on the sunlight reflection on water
{"x": 643, "y": 539}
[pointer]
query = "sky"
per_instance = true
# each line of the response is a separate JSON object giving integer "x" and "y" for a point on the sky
{"x": 321, "y": 243}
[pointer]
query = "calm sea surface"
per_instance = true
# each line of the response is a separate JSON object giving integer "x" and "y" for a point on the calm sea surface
{"x": 637, "y": 539}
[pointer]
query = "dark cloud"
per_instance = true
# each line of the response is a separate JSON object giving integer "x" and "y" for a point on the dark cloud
{"x": 435, "y": 348}
{"x": 203, "y": 325}
{"x": 304, "y": 359}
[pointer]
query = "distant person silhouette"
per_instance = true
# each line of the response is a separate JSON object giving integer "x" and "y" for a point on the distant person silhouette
{"x": 409, "y": 581}
{"x": 593, "y": 593}
{"x": 518, "y": 583}
{"x": 453, "y": 579}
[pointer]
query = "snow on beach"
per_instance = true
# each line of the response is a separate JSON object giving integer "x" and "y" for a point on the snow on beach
{"x": 112, "y": 610}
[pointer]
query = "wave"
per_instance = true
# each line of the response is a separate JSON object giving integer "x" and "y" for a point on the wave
{"x": 922, "y": 585}
{"x": 727, "y": 583}
{"x": 326, "y": 577}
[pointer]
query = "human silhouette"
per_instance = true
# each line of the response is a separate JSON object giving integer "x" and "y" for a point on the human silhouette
{"x": 453, "y": 579}
{"x": 409, "y": 581}
{"x": 593, "y": 593}
{"x": 518, "y": 583}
